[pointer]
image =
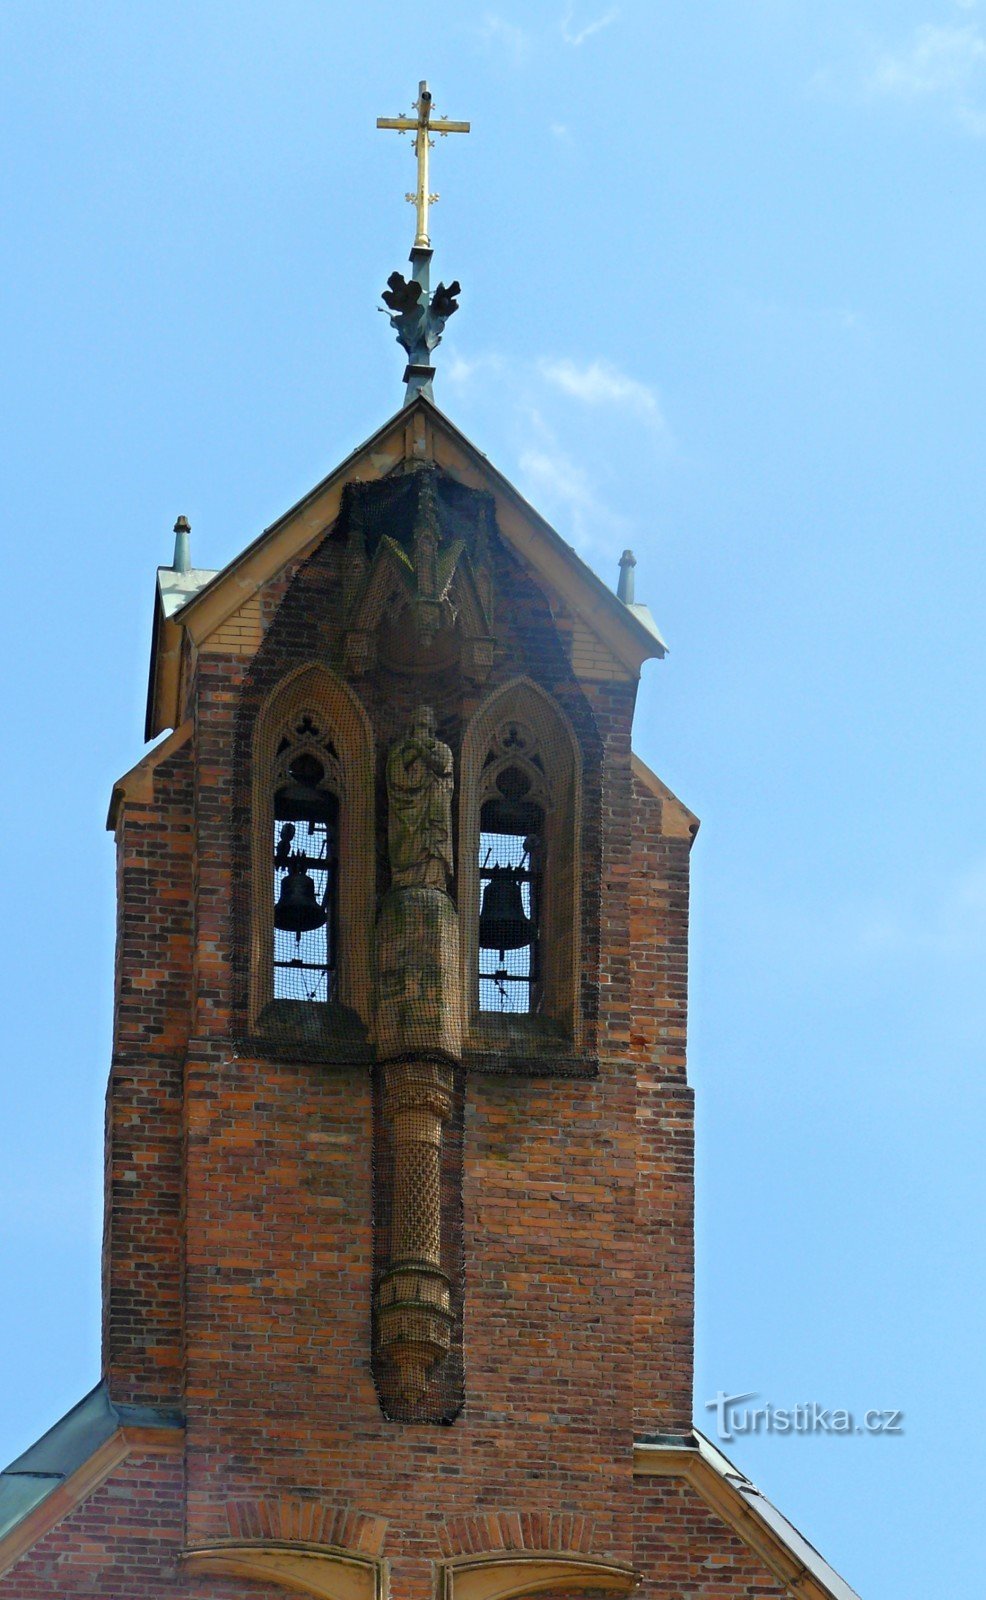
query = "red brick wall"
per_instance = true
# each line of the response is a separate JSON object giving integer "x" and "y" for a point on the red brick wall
{"x": 240, "y": 1235}
{"x": 683, "y": 1548}
{"x": 279, "y": 1167}
{"x": 120, "y": 1544}
{"x": 124, "y": 1543}
{"x": 664, "y": 1277}
{"x": 143, "y": 1206}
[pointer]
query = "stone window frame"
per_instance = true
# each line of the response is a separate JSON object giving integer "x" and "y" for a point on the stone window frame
{"x": 315, "y": 690}
{"x": 524, "y": 701}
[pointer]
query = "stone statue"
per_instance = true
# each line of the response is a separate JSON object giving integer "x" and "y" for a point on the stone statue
{"x": 419, "y": 796}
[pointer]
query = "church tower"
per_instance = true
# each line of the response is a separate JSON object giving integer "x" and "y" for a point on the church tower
{"x": 398, "y": 1245}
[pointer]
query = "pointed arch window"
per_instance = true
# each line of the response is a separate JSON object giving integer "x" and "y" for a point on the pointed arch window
{"x": 312, "y": 859}
{"x": 520, "y": 880}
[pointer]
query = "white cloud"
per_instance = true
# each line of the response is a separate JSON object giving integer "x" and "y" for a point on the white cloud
{"x": 600, "y": 383}
{"x": 552, "y": 479}
{"x": 563, "y": 491}
{"x": 461, "y": 370}
{"x": 551, "y": 475}
{"x": 577, "y": 36}
{"x": 940, "y": 62}
{"x": 594, "y": 383}
{"x": 938, "y": 59}
{"x": 515, "y": 42}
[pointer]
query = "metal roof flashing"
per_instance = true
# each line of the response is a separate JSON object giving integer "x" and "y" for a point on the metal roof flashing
{"x": 65, "y": 1448}
{"x": 816, "y": 1575}
{"x": 175, "y": 589}
{"x": 646, "y": 620}
{"x": 46, "y": 1463}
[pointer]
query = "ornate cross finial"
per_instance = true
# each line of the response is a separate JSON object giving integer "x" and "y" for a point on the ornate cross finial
{"x": 422, "y": 125}
{"x": 417, "y": 316}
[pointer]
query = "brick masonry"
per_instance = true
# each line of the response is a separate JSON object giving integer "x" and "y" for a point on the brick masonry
{"x": 239, "y": 1240}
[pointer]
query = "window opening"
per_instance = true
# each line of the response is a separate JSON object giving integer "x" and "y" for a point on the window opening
{"x": 306, "y": 877}
{"x": 511, "y": 847}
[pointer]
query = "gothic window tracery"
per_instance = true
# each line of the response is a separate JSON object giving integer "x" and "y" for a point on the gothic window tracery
{"x": 312, "y": 857}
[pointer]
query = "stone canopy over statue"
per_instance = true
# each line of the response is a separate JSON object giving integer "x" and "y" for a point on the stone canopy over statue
{"x": 419, "y": 796}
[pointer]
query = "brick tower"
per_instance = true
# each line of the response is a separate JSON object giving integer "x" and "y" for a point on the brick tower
{"x": 398, "y": 1251}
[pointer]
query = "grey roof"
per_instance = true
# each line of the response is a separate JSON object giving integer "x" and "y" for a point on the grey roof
{"x": 63, "y": 1449}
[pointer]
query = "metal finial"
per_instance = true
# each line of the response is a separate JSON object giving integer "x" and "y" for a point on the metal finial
{"x": 418, "y": 316}
{"x": 624, "y": 589}
{"x": 183, "y": 553}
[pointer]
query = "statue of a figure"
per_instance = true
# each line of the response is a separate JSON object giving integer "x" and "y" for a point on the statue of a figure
{"x": 419, "y": 795}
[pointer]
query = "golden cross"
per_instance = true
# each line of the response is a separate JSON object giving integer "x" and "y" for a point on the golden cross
{"x": 421, "y": 126}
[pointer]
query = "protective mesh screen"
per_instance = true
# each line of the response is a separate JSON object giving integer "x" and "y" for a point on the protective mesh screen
{"x": 407, "y": 1194}
{"x": 508, "y": 971}
{"x": 333, "y": 972}
{"x": 526, "y": 761}
{"x": 306, "y": 914}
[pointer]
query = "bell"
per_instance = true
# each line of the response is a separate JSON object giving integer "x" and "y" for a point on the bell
{"x": 297, "y": 910}
{"x": 502, "y": 923}
{"x": 302, "y": 802}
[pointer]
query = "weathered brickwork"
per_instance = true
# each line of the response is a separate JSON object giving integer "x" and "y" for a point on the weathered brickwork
{"x": 124, "y": 1543}
{"x": 663, "y": 1274}
{"x": 683, "y": 1548}
{"x": 305, "y": 623}
{"x": 279, "y": 1162}
{"x": 240, "y": 1248}
{"x": 143, "y": 1207}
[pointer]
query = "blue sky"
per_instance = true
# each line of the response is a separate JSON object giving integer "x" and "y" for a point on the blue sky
{"x": 722, "y": 273}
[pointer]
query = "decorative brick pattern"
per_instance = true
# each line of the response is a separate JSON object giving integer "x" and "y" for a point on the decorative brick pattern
{"x": 499, "y": 1531}
{"x": 307, "y": 1522}
{"x": 123, "y": 1543}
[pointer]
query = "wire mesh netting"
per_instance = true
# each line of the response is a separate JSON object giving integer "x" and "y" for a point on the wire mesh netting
{"x": 417, "y": 889}
{"x": 509, "y": 907}
{"x": 305, "y": 856}
{"x": 303, "y": 955}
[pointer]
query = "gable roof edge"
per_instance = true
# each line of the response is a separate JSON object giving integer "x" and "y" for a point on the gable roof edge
{"x": 785, "y": 1551}
{"x": 635, "y": 640}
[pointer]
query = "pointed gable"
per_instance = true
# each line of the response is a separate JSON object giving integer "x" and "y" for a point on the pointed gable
{"x": 605, "y": 637}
